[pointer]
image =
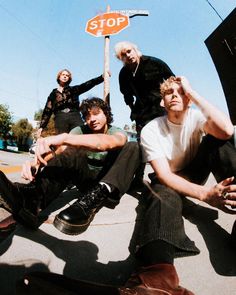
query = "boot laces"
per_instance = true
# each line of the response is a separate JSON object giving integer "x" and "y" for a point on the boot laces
{"x": 94, "y": 197}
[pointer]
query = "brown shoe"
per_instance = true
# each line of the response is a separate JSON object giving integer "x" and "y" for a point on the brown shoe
{"x": 7, "y": 225}
{"x": 158, "y": 279}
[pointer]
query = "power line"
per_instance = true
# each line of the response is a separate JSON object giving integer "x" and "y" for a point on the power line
{"x": 214, "y": 9}
{"x": 32, "y": 32}
{"x": 16, "y": 94}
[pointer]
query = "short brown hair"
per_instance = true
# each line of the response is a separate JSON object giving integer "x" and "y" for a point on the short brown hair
{"x": 59, "y": 74}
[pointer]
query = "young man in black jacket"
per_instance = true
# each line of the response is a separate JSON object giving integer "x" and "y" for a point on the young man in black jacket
{"x": 140, "y": 79}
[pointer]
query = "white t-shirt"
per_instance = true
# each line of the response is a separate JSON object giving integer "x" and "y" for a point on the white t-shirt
{"x": 177, "y": 143}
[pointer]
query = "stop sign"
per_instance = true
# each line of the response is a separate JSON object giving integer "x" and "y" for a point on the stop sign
{"x": 107, "y": 24}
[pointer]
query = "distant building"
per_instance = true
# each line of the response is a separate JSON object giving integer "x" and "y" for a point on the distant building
{"x": 131, "y": 133}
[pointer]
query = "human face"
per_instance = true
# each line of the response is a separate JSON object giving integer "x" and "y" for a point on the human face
{"x": 96, "y": 120}
{"x": 129, "y": 56}
{"x": 64, "y": 77}
{"x": 175, "y": 98}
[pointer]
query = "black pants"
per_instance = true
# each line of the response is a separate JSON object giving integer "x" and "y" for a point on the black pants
{"x": 161, "y": 209}
{"x": 72, "y": 165}
{"x": 64, "y": 122}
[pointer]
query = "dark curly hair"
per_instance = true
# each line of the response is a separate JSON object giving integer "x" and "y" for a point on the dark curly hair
{"x": 96, "y": 102}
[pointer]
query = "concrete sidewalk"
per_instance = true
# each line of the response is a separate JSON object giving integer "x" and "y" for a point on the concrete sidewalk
{"x": 101, "y": 253}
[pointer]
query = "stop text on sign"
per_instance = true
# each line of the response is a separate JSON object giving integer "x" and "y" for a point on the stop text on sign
{"x": 107, "y": 24}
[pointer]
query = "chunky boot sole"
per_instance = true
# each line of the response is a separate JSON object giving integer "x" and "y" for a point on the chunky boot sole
{"x": 72, "y": 229}
{"x": 110, "y": 203}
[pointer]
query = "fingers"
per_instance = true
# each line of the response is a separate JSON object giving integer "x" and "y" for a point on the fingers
{"x": 41, "y": 149}
{"x": 26, "y": 171}
{"x": 228, "y": 204}
{"x": 230, "y": 198}
{"x": 227, "y": 181}
{"x": 41, "y": 160}
{"x": 38, "y": 134}
{"x": 227, "y": 210}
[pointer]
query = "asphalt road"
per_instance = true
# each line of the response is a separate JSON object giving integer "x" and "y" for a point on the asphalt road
{"x": 101, "y": 253}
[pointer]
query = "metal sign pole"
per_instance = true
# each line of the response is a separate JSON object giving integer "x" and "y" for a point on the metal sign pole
{"x": 106, "y": 94}
{"x": 107, "y": 24}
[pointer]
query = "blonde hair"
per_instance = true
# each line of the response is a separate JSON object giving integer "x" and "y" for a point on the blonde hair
{"x": 165, "y": 86}
{"x": 121, "y": 46}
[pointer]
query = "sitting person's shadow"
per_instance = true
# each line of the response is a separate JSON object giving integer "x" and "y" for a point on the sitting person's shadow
{"x": 80, "y": 257}
{"x": 221, "y": 253}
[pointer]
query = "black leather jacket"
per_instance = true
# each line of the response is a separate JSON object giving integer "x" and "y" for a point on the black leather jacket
{"x": 141, "y": 91}
{"x": 69, "y": 98}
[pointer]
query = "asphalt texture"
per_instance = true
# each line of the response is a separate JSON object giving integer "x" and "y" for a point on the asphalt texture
{"x": 101, "y": 254}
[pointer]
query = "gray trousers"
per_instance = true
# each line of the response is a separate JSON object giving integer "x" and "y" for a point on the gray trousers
{"x": 160, "y": 210}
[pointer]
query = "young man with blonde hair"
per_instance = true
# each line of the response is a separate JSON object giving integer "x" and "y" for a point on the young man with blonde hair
{"x": 139, "y": 80}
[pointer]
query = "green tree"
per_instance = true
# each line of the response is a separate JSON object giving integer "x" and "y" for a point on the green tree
{"x": 50, "y": 129}
{"x": 22, "y": 131}
{"x": 38, "y": 115}
{"x": 5, "y": 120}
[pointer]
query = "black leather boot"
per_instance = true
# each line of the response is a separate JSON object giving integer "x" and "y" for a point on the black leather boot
{"x": 22, "y": 200}
{"x": 77, "y": 217}
{"x": 233, "y": 235}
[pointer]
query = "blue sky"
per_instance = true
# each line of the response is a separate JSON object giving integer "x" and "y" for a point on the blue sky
{"x": 40, "y": 37}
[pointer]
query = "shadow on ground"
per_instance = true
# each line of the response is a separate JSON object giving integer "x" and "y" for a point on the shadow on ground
{"x": 81, "y": 257}
{"x": 218, "y": 241}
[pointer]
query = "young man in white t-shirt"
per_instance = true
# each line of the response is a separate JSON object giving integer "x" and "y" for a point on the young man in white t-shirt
{"x": 183, "y": 148}
{"x": 171, "y": 142}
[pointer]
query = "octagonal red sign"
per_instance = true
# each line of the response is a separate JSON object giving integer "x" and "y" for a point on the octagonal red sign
{"x": 105, "y": 24}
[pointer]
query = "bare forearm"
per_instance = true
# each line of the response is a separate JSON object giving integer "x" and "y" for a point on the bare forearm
{"x": 184, "y": 187}
{"x": 176, "y": 182}
{"x": 218, "y": 124}
{"x": 96, "y": 142}
{"x": 99, "y": 142}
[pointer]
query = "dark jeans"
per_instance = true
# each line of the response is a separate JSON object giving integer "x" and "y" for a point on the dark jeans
{"x": 64, "y": 122}
{"x": 161, "y": 209}
{"x": 118, "y": 170}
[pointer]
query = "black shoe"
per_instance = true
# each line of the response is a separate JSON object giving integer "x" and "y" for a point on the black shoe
{"x": 233, "y": 235}
{"x": 76, "y": 218}
{"x": 136, "y": 185}
{"x": 10, "y": 198}
{"x": 22, "y": 200}
{"x": 152, "y": 177}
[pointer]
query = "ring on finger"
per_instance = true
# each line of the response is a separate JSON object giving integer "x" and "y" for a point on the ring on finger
{"x": 224, "y": 195}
